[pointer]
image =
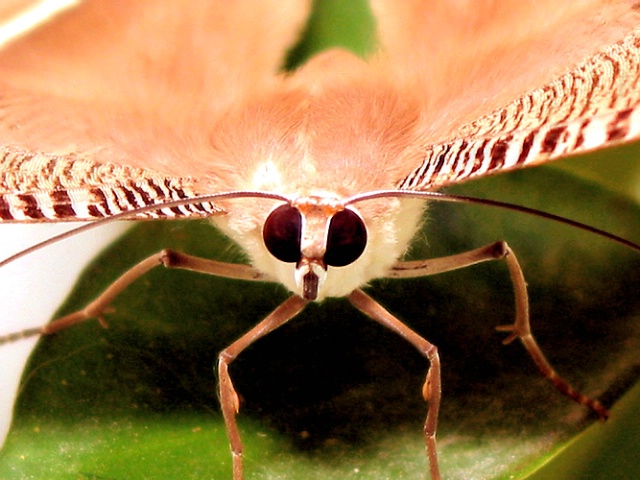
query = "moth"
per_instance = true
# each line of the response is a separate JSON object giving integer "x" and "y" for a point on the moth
{"x": 180, "y": 109}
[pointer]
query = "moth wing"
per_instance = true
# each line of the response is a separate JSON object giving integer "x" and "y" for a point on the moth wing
{"x": 595, "y": 105}
{"x": 10, "y": 10}
{"x": 468, "y": 58}
{"x": 39, "y": 187}
{"x": 573, "y": 69}
{"x": 132, "y": 83}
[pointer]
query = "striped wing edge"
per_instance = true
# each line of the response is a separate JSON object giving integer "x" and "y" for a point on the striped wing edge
{"x": 39, "y": 187}
{"x": 595, "y": 105}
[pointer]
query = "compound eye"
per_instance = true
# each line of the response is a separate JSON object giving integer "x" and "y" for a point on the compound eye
{"x": 282, "y": 232}
{"x": 346, "y": 239}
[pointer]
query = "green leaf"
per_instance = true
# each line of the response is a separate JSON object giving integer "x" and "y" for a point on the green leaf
{"x": 601, "y": 452}
{"x": 616, "y": 169}
{"x": 336, "y": 23}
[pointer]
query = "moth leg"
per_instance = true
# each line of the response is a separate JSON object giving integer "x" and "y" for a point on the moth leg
{"x": 168, "y": 258}
{"x": 431, "y": 391}
{"x": 229, "y": 401}
{"x": 433, "y": 266}
{"x": 521, "y": 328}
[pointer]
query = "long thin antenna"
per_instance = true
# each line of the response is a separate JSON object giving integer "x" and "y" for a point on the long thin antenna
{"x": 131, "y": 214}
{"x": 435, "y": 196}
{"x": 445, "y": 197}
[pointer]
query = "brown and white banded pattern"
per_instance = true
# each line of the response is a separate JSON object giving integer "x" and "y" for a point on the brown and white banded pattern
{"x": 591, "y": 106}
{"x": 463, "y": 159}
{"x": 38, "y": 187}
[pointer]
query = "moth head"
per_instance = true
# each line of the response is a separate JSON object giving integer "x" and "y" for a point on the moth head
{"x": 314, "y": 234}
{"x": 322, "y": 245}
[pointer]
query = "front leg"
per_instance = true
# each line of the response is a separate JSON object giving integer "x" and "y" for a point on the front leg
{"x": 229, "y": 401}
{"x": 521, "y": 328}
{"x": 432, "y": 390}
{"x": 168, "y": 258}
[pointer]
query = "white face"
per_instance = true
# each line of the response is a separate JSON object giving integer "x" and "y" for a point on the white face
{"x": 310, "y": 252}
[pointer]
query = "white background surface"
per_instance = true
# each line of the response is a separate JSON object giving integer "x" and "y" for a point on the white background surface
{"x": 32, "y": 288}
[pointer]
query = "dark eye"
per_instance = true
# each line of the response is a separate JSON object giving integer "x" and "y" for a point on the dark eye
{"x": 346, "y": 239}
{"x": 282, "y": 232}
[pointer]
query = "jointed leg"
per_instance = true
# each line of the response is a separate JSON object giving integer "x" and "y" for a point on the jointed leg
{"x": 521, "y": 327}
{"x": 433, "y": 266}
{"x": 168, "y": 258}
{"x": 171, "y": 259}
{"x": 228, "y": 397}
{"x": 431, "y": 391}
